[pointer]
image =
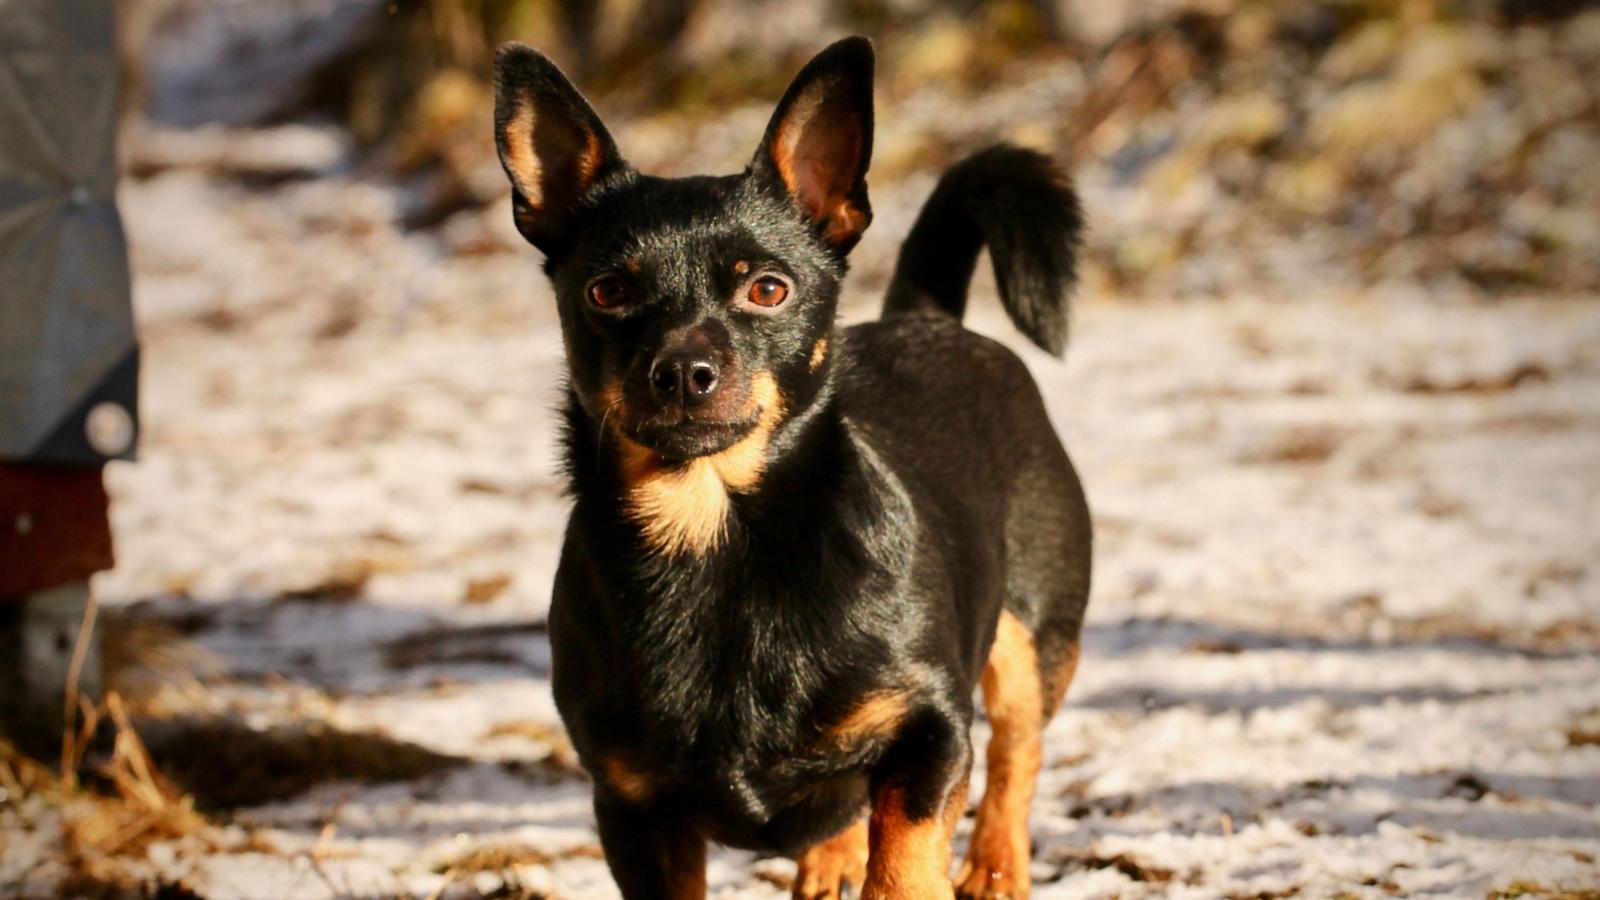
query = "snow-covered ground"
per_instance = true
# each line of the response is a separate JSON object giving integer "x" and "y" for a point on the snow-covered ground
{"x": 1344, "y": 637}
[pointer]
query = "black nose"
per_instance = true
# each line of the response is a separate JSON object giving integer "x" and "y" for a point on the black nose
{"x": 689, "y": 376}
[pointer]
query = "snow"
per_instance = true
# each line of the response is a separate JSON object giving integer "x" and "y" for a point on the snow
{"x": 1343, "y": 637}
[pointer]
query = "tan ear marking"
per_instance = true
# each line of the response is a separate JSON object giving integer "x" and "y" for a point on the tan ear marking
{"x": 844, "y": 221}
{"x": 787, "y": 141}
{"x": 589, "y": 159}
{"x": 520, "y": 158}
{"x": 817, "y": 163}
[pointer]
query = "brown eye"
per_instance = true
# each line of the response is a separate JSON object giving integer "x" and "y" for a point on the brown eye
{"x": 609, "y": 293}
{"x": 768, "y": 291}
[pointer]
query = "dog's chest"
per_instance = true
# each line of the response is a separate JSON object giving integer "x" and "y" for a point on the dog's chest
{"x": 737, "y": 683}
{"x": 729, "y": 697}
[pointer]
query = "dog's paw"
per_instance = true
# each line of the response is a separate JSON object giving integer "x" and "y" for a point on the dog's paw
{"x": 827, "y": 885}
{"x": 834, "y": 869}
{"x": 976, "y": 883}
{"x": 844, "y": 890}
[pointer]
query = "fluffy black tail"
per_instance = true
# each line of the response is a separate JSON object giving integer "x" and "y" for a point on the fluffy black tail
{"x": 1025, "y": 210}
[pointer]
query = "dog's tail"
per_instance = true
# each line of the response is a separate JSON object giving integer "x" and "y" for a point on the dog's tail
{"x": 1019, "y": 204}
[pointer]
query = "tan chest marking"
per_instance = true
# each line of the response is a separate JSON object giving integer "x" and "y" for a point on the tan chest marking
{"x": 683, "y": 508}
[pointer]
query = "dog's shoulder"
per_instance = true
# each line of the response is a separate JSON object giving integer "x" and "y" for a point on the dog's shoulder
{"x": 928, "y": 362}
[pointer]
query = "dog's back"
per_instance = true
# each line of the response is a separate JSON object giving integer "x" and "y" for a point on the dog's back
{"x": 964, "y": 426}
{"x": 959, "y": 416}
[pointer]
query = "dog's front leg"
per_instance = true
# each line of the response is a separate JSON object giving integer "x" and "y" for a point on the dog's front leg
{"x": 652, "y": 855}
{"x": 919, "y": 793}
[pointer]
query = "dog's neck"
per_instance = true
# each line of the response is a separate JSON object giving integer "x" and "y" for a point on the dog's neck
{"x": 685, "y": 506}
{"x": 688, "y": 508}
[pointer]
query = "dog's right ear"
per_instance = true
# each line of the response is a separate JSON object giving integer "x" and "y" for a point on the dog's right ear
{"x": 819, "y": 142}
{"x": 551, "y": 144}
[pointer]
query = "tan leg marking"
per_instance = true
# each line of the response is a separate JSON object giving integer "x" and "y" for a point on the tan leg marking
{"x": 908, "y": 859}
{"x": 687, "y": 879}
{"x": 630, "y": 783}
{"x": 683, "y": 508}
{"x": 997, "y": 862}
{"x": 828, "y": 865}
{"x": 876, "y": 716}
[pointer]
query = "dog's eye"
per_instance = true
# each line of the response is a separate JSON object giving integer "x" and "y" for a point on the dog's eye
{"x": 768, "y": 291}
{"x": 609, "y": 293}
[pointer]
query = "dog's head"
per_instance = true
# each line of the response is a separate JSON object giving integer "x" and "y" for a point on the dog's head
{"x": 695, "y": 311}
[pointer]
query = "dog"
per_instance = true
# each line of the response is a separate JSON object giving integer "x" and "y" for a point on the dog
{"x": 796, "y": 550}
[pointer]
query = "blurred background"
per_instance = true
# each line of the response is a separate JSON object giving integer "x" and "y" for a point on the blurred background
{"x": 1334, "y": 388}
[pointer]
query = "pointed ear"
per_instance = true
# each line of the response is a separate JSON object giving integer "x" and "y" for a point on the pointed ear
{"x": 551, "y": 144}
{"x": 819, "y": 142}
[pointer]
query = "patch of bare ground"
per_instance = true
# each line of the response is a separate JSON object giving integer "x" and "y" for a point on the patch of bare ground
{"x": 225, "y": 764}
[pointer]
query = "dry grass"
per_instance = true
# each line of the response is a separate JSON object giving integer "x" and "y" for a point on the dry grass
{"x": 561, "y": 759}
{"x": 509, "y": 861}
{"x": 104, "y": 829}
{"x": 1490, "y": 383}
{"x": 1301, "y": 445}
{"x": 486, "y": 589}
{"x": 507, "y": 857}
{"x": 1532, "y": 889}
{"x": 1130, "y": 867}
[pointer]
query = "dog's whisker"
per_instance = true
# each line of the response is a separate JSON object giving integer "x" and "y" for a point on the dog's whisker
{"x": 600, "y": 439}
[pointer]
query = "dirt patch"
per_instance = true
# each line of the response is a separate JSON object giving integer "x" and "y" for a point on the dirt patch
{"x": 227, "y": 764}
{"x": 449, "y": 646}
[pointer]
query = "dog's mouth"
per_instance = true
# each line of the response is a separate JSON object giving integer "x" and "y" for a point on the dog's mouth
{"x": 676, "y": 436}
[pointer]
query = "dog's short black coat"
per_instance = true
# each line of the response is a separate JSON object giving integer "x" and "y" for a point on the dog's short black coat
{"x": 790, "y": 544}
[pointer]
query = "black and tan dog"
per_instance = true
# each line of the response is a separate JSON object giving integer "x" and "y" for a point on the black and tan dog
{"x": 795, "y": 550}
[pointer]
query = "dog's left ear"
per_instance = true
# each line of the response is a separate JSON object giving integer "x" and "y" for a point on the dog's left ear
{"x": 551, "y": 144}
{"x": 819, "y": 142}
